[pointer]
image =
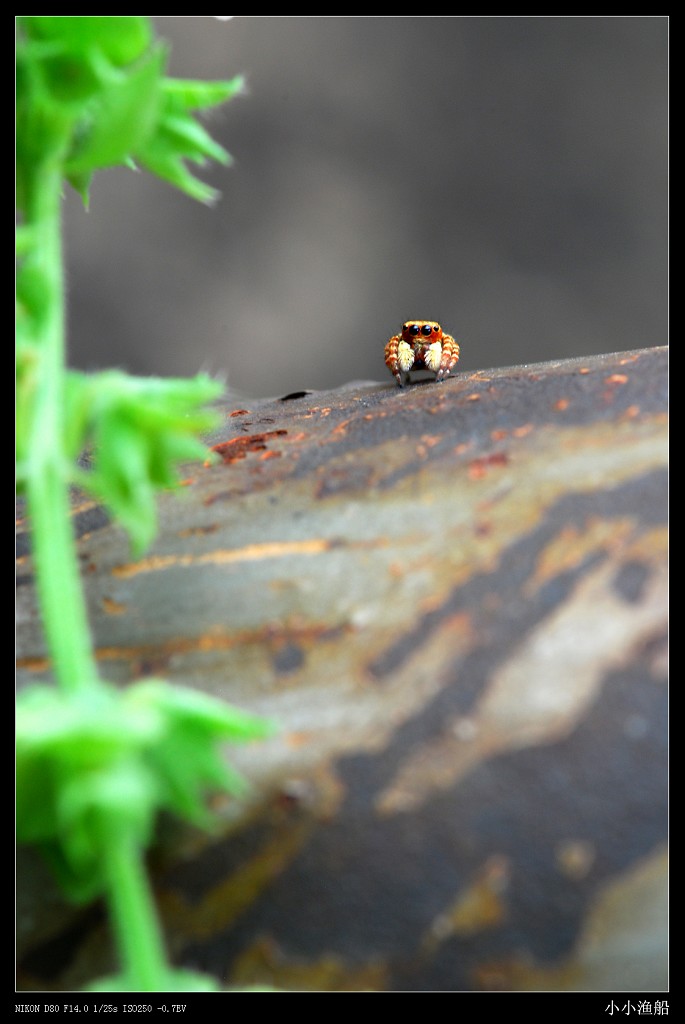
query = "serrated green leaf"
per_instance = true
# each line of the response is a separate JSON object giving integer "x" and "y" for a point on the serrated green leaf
{"x": 188, "y": 762}
{"x": 120, "y": 120}
{"x": 106, "y": 761}
{"x": 186, "y": 137}
{"x": 140, "y": 430}
{"x": 81, "y": 182}
{"x": 173, "y": 170}
{"x": 196, "y": 95}
{"x": 182, "y": 705}
{"x": 180, "y": 137}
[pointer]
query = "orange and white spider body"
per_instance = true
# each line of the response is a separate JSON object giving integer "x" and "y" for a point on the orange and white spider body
{"x": 422, "y": 345}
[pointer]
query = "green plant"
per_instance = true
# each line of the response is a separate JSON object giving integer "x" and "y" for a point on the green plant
{"x": 95, "y": 764}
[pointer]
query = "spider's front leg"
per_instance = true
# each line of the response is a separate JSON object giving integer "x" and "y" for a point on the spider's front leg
{"x": 449, "y": 356}
{"x": 399, "y": 358}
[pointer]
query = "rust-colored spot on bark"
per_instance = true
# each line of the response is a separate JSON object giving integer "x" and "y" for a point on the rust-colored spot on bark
{"x": 316, "y": 409}
{"x": 113, "y": 607}
{"x": 473, "y": 398}
{"x": 498, "y": 435}
{"x": 225, "y": 556}
{"x": 239, "y": 412}
{"x": 299, "y": 739}
{"x": 561, "y": 404}
{"x": 523, "y": 430}
{"x": 239, "y": 447}
{"x": 198, "y": 531}
{"x": 632, "y": 412}
{"x": 615, "y": 379}
{"x": 479, "y": 467}
{"x": 34, "y": 664}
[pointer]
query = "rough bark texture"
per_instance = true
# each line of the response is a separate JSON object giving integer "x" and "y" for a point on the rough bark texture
{"x": 452, "y": 598}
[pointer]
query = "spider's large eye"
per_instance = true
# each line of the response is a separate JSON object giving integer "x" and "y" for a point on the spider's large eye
{"x": 426, "y": 329}
{"x": 414, "y": 329}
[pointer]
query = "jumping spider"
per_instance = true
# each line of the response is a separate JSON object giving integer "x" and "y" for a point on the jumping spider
{"x": 421, "y": 346}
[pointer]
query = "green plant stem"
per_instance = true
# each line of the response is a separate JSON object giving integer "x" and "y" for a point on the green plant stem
{"x": 132, "y": 913}
{"x": 57, "y": 577}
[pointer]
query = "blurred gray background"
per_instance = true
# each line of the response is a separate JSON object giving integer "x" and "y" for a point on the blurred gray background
{"x": 504, "y": 175}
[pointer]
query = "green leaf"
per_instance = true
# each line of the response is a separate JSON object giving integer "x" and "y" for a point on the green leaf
{"x": 180, "y": 137}
{"x": 194, "y": 95}
{"x": 183, "y": 135}
{"x": 81, "y": 182}
{"x": 121, "y": 39}
{"x": 79, "y": 759}
{"x": 187, "y": 762}
{"x": 97, "y": 83}
{"x": 170, "y": 168}
{"x": 140, "y": 430}
{"x": 121, "y": 118}
{"x": 103, "y": 762}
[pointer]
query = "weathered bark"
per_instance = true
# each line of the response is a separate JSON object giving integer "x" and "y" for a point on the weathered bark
{"x": 452, "y": 599}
